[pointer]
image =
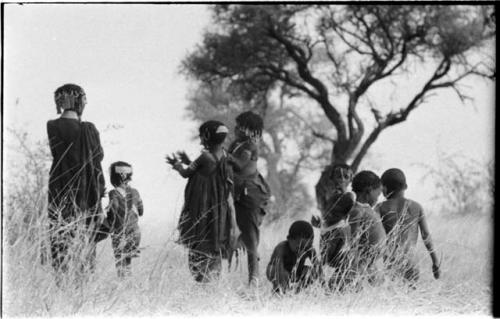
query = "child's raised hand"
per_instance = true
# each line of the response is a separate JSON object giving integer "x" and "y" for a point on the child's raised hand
{"x": 171, "y": 160}
{"x": 183, "y": 157}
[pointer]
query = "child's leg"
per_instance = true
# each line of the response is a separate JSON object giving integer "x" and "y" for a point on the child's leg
{"x": 196, "y": 261}
{"x": 118, "y": 253}
{"x": 249, "y": 220}
{"x": 59, "y": 252}
{"x": 127, "y": 266}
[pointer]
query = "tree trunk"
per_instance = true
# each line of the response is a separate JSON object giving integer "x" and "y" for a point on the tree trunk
{"x": 325, "y": 183}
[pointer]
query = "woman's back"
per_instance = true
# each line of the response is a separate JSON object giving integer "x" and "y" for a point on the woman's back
{"x": 76, "y": 174}
{"x": 64, "y": 140}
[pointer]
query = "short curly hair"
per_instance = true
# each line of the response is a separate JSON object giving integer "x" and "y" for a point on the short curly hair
{"x": 365, "y": 180}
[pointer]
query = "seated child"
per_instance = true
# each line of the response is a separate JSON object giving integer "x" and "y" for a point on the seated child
{"x": 402, "y": 218}
{"x": 335, "y": 230}
{"x": 125, "y": 207}
{"x": 287, "y": 268}
{"x": 367, "y": 233}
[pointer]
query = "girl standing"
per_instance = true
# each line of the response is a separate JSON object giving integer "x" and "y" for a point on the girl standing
{"x": 207, "y": 224}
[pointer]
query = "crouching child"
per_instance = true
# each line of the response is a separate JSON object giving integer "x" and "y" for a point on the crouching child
{"x": 294, "y": 264}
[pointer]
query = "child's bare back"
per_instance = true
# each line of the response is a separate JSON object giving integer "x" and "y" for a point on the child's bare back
{"x": 400, "y": 218}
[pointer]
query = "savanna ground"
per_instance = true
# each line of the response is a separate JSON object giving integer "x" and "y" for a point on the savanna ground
{"x": 161, "y": 283}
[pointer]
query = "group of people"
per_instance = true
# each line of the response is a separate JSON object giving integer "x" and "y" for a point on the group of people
{"x": 76, "y": 186}
{"x": 359, "y": 240}
{"x": 225, "y": 201}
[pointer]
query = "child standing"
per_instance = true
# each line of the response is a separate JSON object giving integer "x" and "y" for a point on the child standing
{"x": 251, "y": 191}
{"x": 125, "y": 207}
{"x": 207, "y": 224}
{"x": 287, "y": 268}
{"x": 402, "y": 218}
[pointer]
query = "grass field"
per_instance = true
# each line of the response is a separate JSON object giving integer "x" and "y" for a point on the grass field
{"x": 161, "y": 283}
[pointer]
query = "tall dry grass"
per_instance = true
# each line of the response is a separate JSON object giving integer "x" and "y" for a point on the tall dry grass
{"x": 162, "y": 285}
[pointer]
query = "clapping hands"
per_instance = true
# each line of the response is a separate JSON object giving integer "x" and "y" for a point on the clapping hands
{"x": 172, "y": 160}
{"x": 183, "y": 157}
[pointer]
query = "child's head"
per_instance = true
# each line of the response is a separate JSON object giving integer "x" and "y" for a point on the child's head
{"x": 249, "y": 125}
{"x": 367, "y": 186}
{"x": 393, "y": 181}
{"x": 120, "y": 173}
{"x": 70, "y": 97}
{"x": 300, "y": 236}
{"x": 212, "y": 133}
{"x": 341, "y": 176}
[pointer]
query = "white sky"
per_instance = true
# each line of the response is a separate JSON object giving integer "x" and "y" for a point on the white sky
{"x": 127, "y": 57}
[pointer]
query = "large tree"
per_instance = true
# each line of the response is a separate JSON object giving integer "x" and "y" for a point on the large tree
{"x": 331, "y": 56}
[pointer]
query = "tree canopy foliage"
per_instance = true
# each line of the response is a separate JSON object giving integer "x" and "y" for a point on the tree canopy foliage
{"x": 329, "y": 57}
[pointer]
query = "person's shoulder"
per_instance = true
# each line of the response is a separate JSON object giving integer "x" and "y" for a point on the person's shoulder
{"x": 206, "y": 156}
{"x": 415, "y": 206}
{"x": 52, "y": 123}
{"x": 281, "y": 248}
{"x": 357, "y": 211}
{"x": 89, "y": 125}
{"x": 383, "y": 206}
{"x": 134, "y": 191}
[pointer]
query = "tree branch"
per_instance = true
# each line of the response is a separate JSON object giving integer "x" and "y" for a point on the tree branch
{"x": 303, "y": 70}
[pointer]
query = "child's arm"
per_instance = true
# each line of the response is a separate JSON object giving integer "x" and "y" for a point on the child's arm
{"x": 235, "y": 230}
{"x": 112, "y": 208}
{"x": 138, "y": 203}
{"x": 189, "y": 170}
{"x": 426, "y": 237}
{"x": 241, "y": 158}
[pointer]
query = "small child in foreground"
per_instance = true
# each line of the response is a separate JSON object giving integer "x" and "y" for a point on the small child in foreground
{"x": 402, "y": 218}
{"x": 288, "y": 269}
{"x": 125, "y": 207}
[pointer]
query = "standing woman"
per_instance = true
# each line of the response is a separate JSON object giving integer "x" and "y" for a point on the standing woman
{"x": 76, "y": 182}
